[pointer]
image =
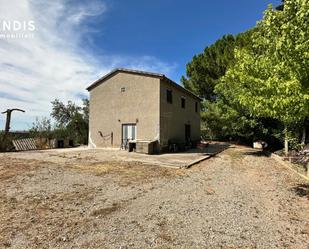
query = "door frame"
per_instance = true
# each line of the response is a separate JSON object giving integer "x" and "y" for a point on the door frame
{"x": 187, "y": 130}
{"x": 132, "y": 124}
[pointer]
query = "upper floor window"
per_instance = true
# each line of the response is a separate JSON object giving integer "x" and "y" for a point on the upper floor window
{"x": 123, "y": 89}
{"x": 196, "y": 107}
{"x": 169, "y": 96}
{"x": 183, "y": 102}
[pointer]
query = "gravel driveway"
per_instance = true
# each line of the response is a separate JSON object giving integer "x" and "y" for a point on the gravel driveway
{"x": 237, "y": 199}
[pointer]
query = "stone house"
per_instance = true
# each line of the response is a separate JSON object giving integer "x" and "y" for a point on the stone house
{"x": 129, "y": 106}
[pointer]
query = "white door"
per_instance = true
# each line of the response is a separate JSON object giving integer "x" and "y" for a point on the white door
{"x": 128, "y": 132}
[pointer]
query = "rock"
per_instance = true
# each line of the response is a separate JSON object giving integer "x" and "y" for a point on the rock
{"x": 65, "y": 238}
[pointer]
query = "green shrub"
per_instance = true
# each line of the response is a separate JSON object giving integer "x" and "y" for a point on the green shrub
{"x": 5, "y": 142}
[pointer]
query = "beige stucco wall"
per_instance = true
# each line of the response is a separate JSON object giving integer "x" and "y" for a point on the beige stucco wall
{"x": 173, "y": 118}
{"x": 110, "y": 108}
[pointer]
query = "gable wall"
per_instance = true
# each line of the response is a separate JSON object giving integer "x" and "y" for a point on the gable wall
{"x": 110, "y": 108}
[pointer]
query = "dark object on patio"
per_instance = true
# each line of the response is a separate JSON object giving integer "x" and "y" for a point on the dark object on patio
{"x": 60, "y": 144}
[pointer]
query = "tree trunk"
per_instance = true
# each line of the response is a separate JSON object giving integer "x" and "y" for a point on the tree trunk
{"x": 303, "y": 138}
{"x": 8, "y": 122}
{"x": 286, "y": 141}
{"x": 8, "y": 113}
{"x": 7, "y": 127}
{"x": 8, "y": 119}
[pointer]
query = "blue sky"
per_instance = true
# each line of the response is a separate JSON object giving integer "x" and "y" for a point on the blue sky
{"x": 75, "y": 42}
{"x": 173, "y": 31}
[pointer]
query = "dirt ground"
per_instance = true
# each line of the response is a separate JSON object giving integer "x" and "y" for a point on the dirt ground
{"x": 237, "y": 199}
{"x": 175, "y": 160}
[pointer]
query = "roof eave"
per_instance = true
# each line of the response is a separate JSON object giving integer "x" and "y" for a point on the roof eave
{"x": 183, "y": 89}
{"x": 149, "y": 74}
{"x": 117, "y": 70}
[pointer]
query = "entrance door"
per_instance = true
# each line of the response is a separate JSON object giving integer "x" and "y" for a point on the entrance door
{"x": 187, "y": 133}
{"x": 128, "y": 133}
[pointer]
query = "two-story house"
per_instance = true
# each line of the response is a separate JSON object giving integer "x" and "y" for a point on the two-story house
{"x": 129, "y": 105}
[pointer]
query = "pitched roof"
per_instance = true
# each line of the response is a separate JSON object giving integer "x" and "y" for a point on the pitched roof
{"x": 144, "y": 73}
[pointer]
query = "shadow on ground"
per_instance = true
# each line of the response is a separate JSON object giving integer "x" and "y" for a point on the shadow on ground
{"x": 302, "y": 190}
{"x": 258, "y": 153}
{"x": 211, "y": 149}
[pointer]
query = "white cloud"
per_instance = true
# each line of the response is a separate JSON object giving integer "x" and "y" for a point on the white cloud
{"x": 53, "y": 64}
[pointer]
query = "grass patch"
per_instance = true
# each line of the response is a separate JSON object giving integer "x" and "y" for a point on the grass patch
{"x": 11, "y": 167}
{"x": 127, "y": 173}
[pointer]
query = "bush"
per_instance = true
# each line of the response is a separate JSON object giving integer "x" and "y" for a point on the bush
{"x": 6, "y": 142}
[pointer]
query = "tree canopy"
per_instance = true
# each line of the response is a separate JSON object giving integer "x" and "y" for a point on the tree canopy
{"x": 270, "y": 78}
{"x": 221, "y": 118}
{"x": 71, "y": 119}
{"x": 205, "y": 69}
{"x": 257, "y": 75}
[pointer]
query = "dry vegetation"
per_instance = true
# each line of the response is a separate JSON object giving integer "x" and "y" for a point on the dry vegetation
{"x": 238, "y": 199}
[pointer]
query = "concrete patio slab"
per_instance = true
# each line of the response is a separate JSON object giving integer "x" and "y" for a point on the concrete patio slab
{"x": 174, "y": 160}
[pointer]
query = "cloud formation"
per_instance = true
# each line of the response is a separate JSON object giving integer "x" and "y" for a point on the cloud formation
{"x": 54, "y": 64}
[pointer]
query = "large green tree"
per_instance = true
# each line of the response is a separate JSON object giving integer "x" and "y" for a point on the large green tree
{"x": 271, "y": 77}
{"x": 205, "y": 69}
{"x": 220, "y": 118}
{"x": 72, "y": 119}
{"x": 222, "y": 121}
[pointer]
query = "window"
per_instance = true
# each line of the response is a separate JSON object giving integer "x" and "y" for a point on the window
{"x": 123, "y": 89}
{"x": 196, "y": 107}
{"x": 169, "y": 96}
{"x": 183, "y": 102}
